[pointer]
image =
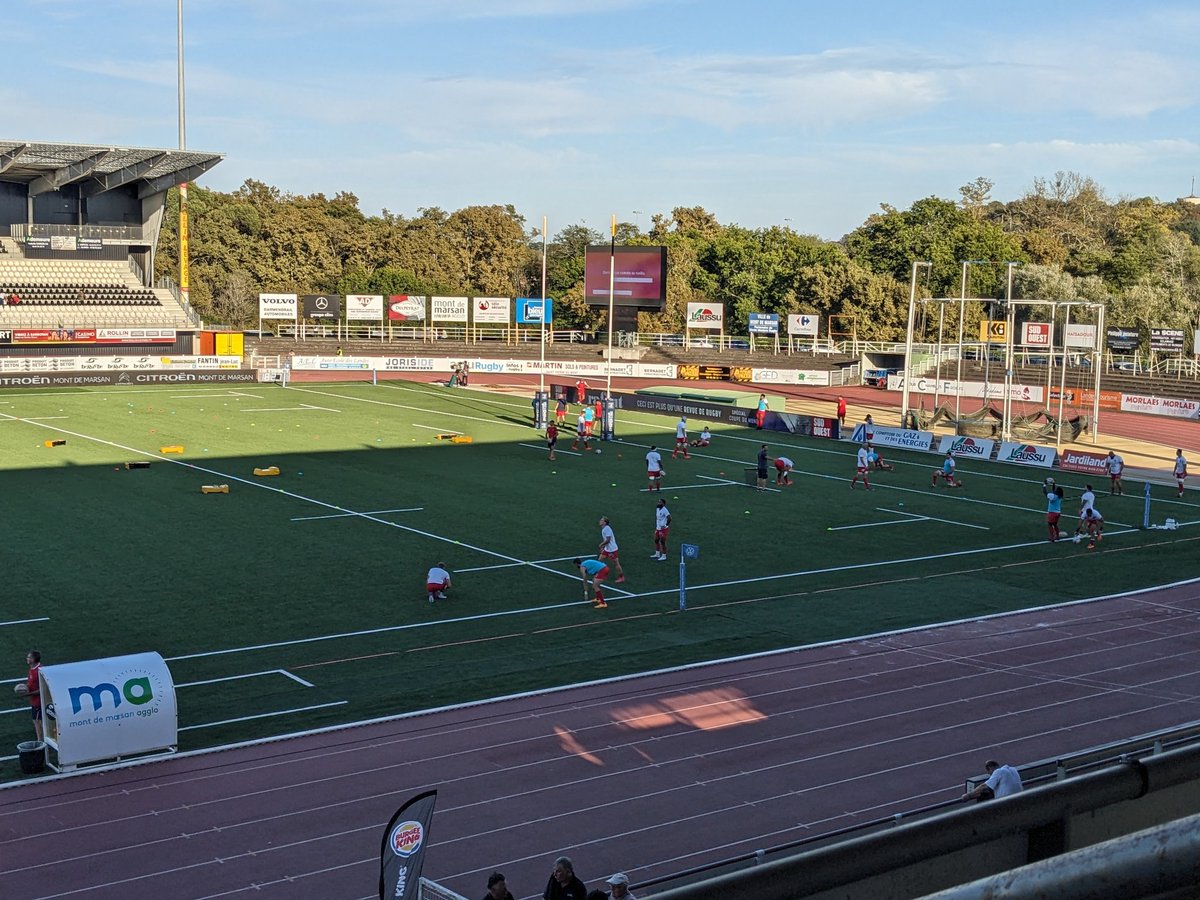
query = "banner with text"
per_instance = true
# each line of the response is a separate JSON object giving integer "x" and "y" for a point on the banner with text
{"x": 364, "y": 307}
{"x": 448, "y": 309}
{"x": 710, "y": 316}
{"x": 277, "y": 306}
{"x": 492, "y": 310}
{"x": 1026, "y": 455}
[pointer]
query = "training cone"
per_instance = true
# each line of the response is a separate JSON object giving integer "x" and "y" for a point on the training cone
{"x": 214, "y": 489}
{"x": 174, "y": 448}
{"x": 269, "y": 470}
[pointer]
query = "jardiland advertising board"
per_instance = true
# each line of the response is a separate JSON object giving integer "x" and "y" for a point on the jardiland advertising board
{"x": 102, "y": 709}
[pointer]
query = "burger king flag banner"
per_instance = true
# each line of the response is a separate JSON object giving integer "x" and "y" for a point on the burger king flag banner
{"x": 403, "y": 851}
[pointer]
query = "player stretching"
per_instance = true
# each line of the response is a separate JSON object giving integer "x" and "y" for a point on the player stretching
{"x": 946, "y": 472}
{"x": 608, "y": 547}
{"x": 681, "y": 441}
{"x": 597, "y": 571}
{"x": 662, "y": 527}
{"x": 704, "y": 440}
{"x": 862, "y": 466}
{"x": 1094, "y": 523}
{"x": 1114, "y": 465}
{"x": 783, "y": 470}
{"x": 654, "y": 470}
{"x": 1180, "y": 470}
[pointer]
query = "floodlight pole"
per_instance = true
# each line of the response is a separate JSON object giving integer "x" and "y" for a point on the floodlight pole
{"x": 908, "y": 339}
{"x": 542, "y": 370}
{"x": 1010, "y": 319}
{"x": 962, "y": 308}
{"x": 184, "y": 289}
{"x": 612, "y": 272}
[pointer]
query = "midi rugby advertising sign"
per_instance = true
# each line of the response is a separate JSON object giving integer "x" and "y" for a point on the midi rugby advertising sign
{"x": 103, "y": 709}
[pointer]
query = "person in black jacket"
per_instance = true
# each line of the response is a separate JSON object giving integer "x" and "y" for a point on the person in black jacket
{"x": 563, "y": 883}
{"x": 497, "y": 888}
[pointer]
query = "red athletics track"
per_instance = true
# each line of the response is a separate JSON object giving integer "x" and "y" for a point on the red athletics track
{"x": 647, "y": 775}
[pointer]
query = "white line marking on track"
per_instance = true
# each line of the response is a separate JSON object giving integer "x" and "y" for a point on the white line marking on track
{"x": 373, "y": 512}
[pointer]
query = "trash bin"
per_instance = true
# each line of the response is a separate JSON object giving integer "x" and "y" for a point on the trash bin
{"x": 33, "y": 756}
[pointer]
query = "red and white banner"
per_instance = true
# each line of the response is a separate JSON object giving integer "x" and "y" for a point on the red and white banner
{"x": 91, "y": 336}
{"x": 1082, "y": 461}
{"x": 364, "y": 307}
{"x": 975, "y": 448}
{"x": 492, "y": 310}
{"x": 1036, "y": 334}
{"x": 1026, "y": 455}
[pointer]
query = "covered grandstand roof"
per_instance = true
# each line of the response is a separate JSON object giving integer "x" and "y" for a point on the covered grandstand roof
{"x": 98, "y": 168}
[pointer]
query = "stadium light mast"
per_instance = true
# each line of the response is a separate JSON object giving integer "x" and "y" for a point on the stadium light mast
{"x": 542, "y": 378}
{"x": 908, "y": 337}
{"x": 183, "y": 216}
{"x": 612, "y": 272}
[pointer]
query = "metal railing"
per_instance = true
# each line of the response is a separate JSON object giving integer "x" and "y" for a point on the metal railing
{"x": 1044, "y": 771}
{"x": 118, "y": 234}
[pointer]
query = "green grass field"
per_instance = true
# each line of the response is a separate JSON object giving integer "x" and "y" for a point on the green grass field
{"x": 298, "y": 601}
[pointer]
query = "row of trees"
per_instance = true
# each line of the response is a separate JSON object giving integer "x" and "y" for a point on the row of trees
{"x": 1139, "y": 257}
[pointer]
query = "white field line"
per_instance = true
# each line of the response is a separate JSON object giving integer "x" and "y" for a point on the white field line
{"x": 514, "y": 565}
{"x": 878, "y": 524}
{"x": 286, "y": 493}
{"x": 901, "y": 512}
{"x": 545, "y": 449}
{"x": 373, "y": 512}
{"x": 283, "y": 672}
{"x": 42, "y": 418}
{"x": 431, "y": 428}
{"x": 694, "y": 487}
{"x": 24, "y": 622}
{"x": 270, "y": 715}
{"x": 321, "y": 408}
{"x": 263, "y": 409}
{"x": 739, "y": 483}
{"x": 420, "y": 409}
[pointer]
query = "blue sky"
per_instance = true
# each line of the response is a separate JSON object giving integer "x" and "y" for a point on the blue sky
{"x": 764, "y": 113}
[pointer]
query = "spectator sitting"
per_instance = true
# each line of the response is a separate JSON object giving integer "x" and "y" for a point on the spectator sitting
{"x": 497, "y": 888}
{"x": 619, "y": 887}
{"x": 1002, "y": 781}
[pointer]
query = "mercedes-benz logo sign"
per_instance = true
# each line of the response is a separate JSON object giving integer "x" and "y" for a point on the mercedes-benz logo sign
{"x": 322, "y": 303}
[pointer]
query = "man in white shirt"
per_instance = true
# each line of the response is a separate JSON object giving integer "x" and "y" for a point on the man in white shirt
{"x": 705, "y": 438}
{"x": 862, "y": 466}
{"x": 1180, "y": 470}
{"x": 1114, "y": 465}
{"x": 1002, "y": 781}
{"x": 783, "y": 470}
{"x": 437, "y": 582}
{"x": 681, "y": 441}
{"x": 662, "y": 527}
{"x": 654, "y": 469}
{"x": 608, "y": 548}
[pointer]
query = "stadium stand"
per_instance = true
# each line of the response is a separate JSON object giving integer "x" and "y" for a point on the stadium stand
{"x": 79, "y": 228}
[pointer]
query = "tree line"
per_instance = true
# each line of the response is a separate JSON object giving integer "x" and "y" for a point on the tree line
{"x": 1138, "y": 257}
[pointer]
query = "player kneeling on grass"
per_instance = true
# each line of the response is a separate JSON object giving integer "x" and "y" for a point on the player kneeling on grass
{"x": 1093, "y": 523}
{"x": 878, "y": 463}
{"x": 437, "y": 582}
{"x": 946, "y": 472}
{"x": 597, "y": 571}
{"x": 705, "y": 438}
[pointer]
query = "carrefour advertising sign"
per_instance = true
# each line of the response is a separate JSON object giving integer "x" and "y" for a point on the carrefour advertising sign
{"x": 101, "y": 709}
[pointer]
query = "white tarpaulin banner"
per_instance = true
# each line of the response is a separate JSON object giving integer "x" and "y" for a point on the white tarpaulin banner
{"x": 706, "y": 315}
{"x": 1080, "y": 336}
{"x": 1161, "y": 406}
{"x": 976, "y": 448}
{"x": 790, "y": 376}
{"x": 492, "y": 310}
{"x": 946, "y": 388}
{"x": 895, "y": 437}
{"x": 1026, "y": 455}
{"x": 448, "y": 309}
{"x": 364, "y": 307}
{"x": 277, "y": 306}
{"x": 106, "y": 708}
{"x": 803, "y": 325}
